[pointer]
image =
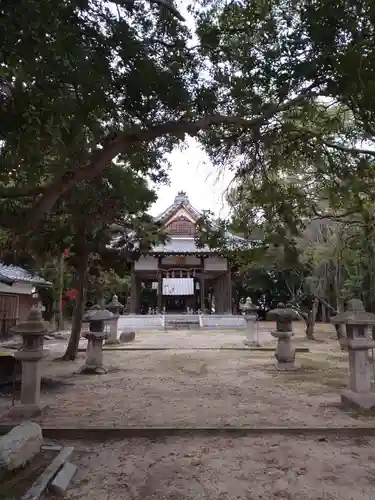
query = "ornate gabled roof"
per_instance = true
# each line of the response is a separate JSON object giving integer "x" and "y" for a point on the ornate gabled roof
{"x": 10, "y": 274}
{"x": 181, "y": 201}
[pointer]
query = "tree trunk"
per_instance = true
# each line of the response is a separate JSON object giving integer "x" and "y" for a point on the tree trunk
{"x": 72, "y": 349}
{"x": 60, "y": 312}
{"x": 311, "y": 318}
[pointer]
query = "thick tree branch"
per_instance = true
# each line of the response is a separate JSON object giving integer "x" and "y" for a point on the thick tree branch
{"x": 162, "y": 3}
{"x": 125, "y": 142}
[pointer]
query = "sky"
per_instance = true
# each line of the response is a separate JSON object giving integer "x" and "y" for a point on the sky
{"x": 192, "y": 171}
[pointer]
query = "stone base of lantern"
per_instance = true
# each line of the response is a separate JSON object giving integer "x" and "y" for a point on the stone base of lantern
{"x": 287, "y": 367}
{"x": 94, "y": 355}
{"x": 285, "y": 352}
{"x": 24, "y": 412}
{"x": 363, "y": 400}
{"x": 113, "y": 333}
{"x": 92, "y": 370}
{"x": 112, "y": 341}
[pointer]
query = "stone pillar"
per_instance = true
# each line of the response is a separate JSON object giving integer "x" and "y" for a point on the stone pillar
{"x": 285, "y": 351}
{"x": 114, "y": 307}
{"x": 358, "y": 325}
{"x": 32, "y": 331}
{"x": 96, "y": 317}
{"x": 249, "y": 311}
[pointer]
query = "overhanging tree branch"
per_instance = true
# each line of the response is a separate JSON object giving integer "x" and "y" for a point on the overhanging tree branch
{"x": 125, "y": 142}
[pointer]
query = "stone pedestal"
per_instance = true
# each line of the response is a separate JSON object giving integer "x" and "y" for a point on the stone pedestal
{"x": 114, "y": 307}
{"x": 285, "y": 351}
{"x": 358, "y": 341}
{"x": 96, "y": 317}
{"x": 94, "y": 354}
{"x": 113, "y": 332}
{"x": 249, "y": 310}
{"x": 31, "y": 353}
{"x": 251, "y": 325}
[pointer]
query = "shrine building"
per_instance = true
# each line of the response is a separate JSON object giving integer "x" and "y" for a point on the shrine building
{"x": 178, "y": 276}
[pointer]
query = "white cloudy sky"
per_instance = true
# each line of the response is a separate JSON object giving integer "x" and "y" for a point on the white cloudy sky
{"x": 193, "y": 173}
{"x": 192, "y": 170}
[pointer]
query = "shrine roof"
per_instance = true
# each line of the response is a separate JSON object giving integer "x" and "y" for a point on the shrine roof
{"x": 180, "y": 245}
{"x": 10, "y": 274}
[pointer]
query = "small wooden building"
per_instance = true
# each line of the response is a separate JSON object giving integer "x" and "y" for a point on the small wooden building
{"x": 18, "y": 292}
{"x": 183, "y": 276}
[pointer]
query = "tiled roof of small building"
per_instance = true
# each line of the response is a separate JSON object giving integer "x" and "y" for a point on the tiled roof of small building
{"x": 180, "y": 245}
{"x": 9, "y": 274}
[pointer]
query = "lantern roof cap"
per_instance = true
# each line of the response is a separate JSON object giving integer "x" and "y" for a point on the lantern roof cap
{"x": 114, "y": 302}
{"x": 33, "y": 325}
{"x": 97, "y": 313}
{"x": 355, "y": 314}
{"x": 283, "y": 312}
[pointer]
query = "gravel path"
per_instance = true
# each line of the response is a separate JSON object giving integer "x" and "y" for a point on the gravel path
{"x": 226, "y": 469}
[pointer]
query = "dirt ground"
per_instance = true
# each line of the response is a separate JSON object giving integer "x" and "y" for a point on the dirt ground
{"x": 201, "y": 388}
{"x": 225, "y": 469}
{"x": 195, "y": 388}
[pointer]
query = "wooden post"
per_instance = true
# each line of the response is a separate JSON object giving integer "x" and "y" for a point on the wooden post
{"x": 202, "y": 286}
{"x": 229, "y": 305}
{"x": 133, "y": 293}
{"x": 160, "y": 292}
{"x": 160, "y": 288}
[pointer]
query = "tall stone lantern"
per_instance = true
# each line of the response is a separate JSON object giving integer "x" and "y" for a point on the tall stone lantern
{"x": 285, "y": 351}
{"x": 96, "y": 317}
{"x": 249, "y": 311}
{"x": 114, "y": 307}
{"x": 358, "y": 325}
{"x": 31, "y": 353}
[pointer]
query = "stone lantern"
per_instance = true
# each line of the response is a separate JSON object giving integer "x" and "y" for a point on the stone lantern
{"x": 31, "y": 353}
{"x": 114, "y": 307}
{"x": 358, "y": 325}
{"x": 285, "y": 351}
{"x": 249, "y": 310}
{"x": 96, "y": 317}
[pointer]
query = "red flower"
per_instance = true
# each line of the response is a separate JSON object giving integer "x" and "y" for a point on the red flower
{"x": 71, "y": 294}
{"x": 66, "y": 252}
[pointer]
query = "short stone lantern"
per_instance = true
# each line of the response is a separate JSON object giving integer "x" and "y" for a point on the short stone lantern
{"x": 96, "y": 317}
{"x": 285, "y": 351}
{"x": 114, "y": 307}
{"x": 358, "y": 324}
{"x": 31, "y": 353}
{"x": 249, "y": 311}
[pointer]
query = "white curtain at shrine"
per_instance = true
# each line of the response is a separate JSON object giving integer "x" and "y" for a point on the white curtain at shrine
{"x": 177, "y": 286}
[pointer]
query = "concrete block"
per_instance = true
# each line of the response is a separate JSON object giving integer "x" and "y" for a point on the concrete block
{"x": 41, "y": 483}
{"x": 61, "y": 482}
{"x": 127, "y": 336}
{"x": 20, "y": 445}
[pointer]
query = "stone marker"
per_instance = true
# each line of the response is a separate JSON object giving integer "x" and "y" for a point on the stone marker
{"x": 20, "y": 445}
{"x": 127, "y": 336}
{"x": 114, "y": 307}
{"x": 96, "y": 317}
{"x": 285, "y": 351}
{"x": 38, "y": 487}
{"x": 249, "y": 311}
{"x": 31, "y": 353}
{"x": 358, "y": 325}
{"x": 61, "y": 482}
